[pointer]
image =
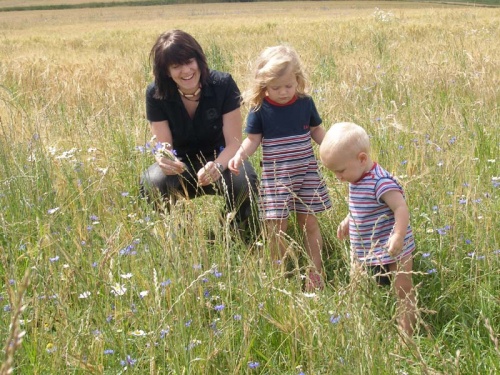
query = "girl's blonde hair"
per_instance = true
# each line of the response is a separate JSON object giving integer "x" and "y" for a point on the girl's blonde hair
{"x": 272, "y": 63}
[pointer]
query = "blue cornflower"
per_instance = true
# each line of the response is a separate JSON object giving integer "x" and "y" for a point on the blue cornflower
{"x": 219, "y": 307}
{"x": 253, "y": 364}
{"x": 334, "y": 319}
{"x": 109, "y": 351}
{"x": 129, "y": 361}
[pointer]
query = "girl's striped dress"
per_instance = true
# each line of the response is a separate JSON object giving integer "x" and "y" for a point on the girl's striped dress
{"x": 290, "y": 180}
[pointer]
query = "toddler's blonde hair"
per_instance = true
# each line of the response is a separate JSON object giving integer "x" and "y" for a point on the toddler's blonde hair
{"x": 345, "y": 137}
{"x": 272, "y": 63}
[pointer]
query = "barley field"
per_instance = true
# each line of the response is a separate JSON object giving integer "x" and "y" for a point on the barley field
{"x": 95, "y": 281}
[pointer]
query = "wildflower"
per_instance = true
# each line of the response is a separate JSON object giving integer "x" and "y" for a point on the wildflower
{"x": 94, "y": 218}
{"x": 219, "y": 307}
{"x": 431, "y": 271}
{"x": 7, "y": 308}
{"x": 53, "y": 210}
{"x": 165, "y": 283}
{"x": 404, "y": 162}
{"x": 441, "y": 231}
{"x": 237, "y": 317}
{"x": 496, "y": 252}
{"x": 138, "y": 333}
{"x": 426, "y": 255}
{"x": 129, "y": 250}
{"x": 164, "y": 332}
{"x": 84, "y": 295}
{"x": 118, "y": 289}
{"x": 55, "y": 259}
{"x": 144, "y": 293}
{"x": 194, "y": 343}
{"x": 109, "y": 351}
{"x": 129, "y": 361}
{"x": 462, "y": 201}
{"x": 253, "y": 364}
{"x": 217, "y": 273}
{"x": 50, "y": 348}
{"x": 126, "y": 276}
{"x": 334, "y": 319}
{"x": 468, "y": 242}
{"x": 188, "y": 323}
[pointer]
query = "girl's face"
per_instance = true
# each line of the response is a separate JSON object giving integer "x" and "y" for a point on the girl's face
{"x": 186, "y": 76}
{"x": 283, "y": 89}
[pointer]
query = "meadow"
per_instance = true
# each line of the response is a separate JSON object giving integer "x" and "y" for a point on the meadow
{"x": 94, "y": 280}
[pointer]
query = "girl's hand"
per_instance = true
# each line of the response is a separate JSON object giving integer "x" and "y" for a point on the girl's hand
{"x": 208, "y": 174}
{"x": 234, "y": 164}
{"x": 343, "y": 229}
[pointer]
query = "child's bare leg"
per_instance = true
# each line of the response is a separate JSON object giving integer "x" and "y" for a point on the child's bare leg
{"x": 407, "y": 305}
{"x": 313, "y": 239}
{"x": 276, "y": 245}
{"x": 313, "y": 244}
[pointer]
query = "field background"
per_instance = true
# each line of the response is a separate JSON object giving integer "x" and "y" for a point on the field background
{"x": 98, "y": 282}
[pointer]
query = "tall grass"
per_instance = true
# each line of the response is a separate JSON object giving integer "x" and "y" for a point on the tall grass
{"x": 115, "y": 286}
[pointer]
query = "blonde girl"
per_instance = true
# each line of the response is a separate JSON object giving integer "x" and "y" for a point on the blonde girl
{"x": 283, "y": 118}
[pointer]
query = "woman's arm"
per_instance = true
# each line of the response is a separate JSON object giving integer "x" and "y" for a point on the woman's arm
{"x": 231, "y": 128}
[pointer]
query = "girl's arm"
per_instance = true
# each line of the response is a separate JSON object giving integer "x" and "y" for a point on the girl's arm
{"x": 248, "y": 147}
{"x": 396, "y": 202}
{"x": 318, "y": 133}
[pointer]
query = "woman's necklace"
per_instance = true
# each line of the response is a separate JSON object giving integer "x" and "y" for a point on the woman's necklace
{"x": 191, "y": 97}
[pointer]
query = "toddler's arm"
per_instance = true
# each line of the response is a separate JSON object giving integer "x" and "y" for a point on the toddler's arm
{"x": 397, "y": 204}
{"x": 248, "y": 147}
{"x": 343, "y": 229}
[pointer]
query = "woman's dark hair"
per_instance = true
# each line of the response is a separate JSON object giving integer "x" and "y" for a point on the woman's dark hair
{"x": 175, "y": 47}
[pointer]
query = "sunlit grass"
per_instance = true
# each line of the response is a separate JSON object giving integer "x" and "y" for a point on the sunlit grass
{"x": 114, "y": 283}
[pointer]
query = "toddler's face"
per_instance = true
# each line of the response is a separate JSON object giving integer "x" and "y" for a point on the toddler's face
{"x": 348, "y": 167}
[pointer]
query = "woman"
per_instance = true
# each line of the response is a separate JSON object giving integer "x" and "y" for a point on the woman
{"x": 196, "y": 112}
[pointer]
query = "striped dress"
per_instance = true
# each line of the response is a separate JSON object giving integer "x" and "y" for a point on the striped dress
{"x": 290, "y": 180}
{"x": 371, "y": 220}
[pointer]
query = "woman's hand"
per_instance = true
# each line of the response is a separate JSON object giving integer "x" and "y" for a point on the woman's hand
{"x": 170, "y": 167}
{"x": 208, "y": 174}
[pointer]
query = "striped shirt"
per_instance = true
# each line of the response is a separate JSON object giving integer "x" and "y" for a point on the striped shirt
{"x": 371, "y": 220}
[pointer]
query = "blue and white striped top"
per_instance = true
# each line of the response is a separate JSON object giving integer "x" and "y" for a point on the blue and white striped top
{"x": 371, "y": 220}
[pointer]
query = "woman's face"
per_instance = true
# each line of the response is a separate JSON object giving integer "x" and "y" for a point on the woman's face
{"x": 186, "y": 76}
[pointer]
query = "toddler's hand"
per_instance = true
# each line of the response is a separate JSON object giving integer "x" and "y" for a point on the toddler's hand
{"x": 343, "y": 229}
{"x": 395, "y": 244}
